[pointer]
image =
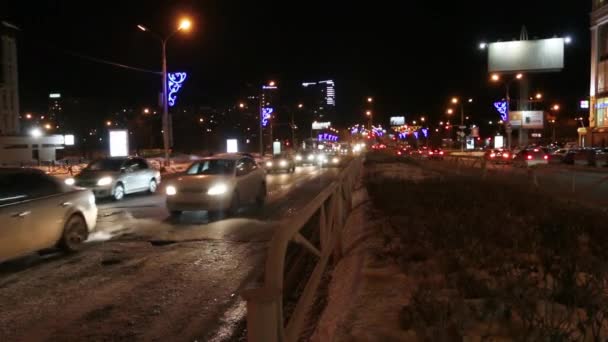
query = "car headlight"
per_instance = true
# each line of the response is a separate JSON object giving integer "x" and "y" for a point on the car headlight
{"x": 311, "y": 157}
{"x": 298, "y": 157}
{"x": 171, "y": 190}
{"x": 283, "y": 163}
{"x": 104, "y": 181}
{"x": 218, "y": 189}
{"x": 268, "y": 164}
{"x": 69, "y": 181}
{"x": 321, "y": 157}
{"x": 335, "y": 160}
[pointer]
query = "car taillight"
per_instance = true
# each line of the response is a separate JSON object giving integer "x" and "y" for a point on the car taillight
{"x": 431, "y": 152}
{"x": 399, "y": 153}
{"x": 546, "y": 157}
{"x": 505, "y": 155}
{"x": 535, "y": 150}
{"x": 441, "y": 152}
{"x": 492, "y": 155}
{"x": 529, "y": 157}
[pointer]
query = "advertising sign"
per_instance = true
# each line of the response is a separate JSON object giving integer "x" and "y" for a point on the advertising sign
{"x": 276, "y": 147}
{"x": 397, "y": 120}
{"x": 584, "y": 104}
{"x": 526, "y": 55}
{"x": 119, "y": 143}
{"x": 320, "y": 125}
{"x": 475, "y": 132}
{"x": 232, "y": 146}
{"x": 470, "y": 143}
{"x": 266, "y": 115}
{"x": 68, "y": 139}
{"x": 499, "y": 141}
{"x": 527, "y": 119}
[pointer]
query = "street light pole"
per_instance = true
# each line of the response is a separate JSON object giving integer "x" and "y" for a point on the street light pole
{"x": 165, "y": 119}
{"x": 508, "y": 128}
{"x": 261, "y": 115}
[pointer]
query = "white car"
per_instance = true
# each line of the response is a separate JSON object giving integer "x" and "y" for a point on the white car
{"x": 117, "y": 177}
{"x": 217, "y": 184}
{"x": 39, "y": 212}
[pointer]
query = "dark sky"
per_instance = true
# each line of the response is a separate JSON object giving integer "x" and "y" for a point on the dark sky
{"x": 410, "y": 55}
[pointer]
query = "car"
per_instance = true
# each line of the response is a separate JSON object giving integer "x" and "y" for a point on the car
{"x": 330, "y": 160}
{"x": 531, "y": 157}
{"x": 219, "y": 184}
{"x": 116, "y": 177}
{"x": 558, "y": 155}
{"x": 281, "y": 163}
{"x": 40, "y": 212}
{"x": 498, "y": 156}
{"x": 435, "y": 153}
{"x": 305, "y": 158}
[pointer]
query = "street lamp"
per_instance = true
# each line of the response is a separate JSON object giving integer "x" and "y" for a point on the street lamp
{"x": 28, "y": 116}
{"x": 241, "y": 105}
{"x": 555, "y": 107}
{"x": 539, "y": 96}
{"x": 108, "y": 123}
{"x": 36, "y": 133}
{"x": 184, "y": 25}
{"x": 450, "y": 111}
{"x": 483, "y": 46}
{"x": 370, "y": 100}
{"x": 47, "y": 126}
{"x": 456, "y": 100}
{"x": 496, "y": 78}
{"x": 300, "y": 106}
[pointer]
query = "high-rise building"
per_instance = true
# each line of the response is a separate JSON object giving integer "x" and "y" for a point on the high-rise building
{"x": 320, "y": 100}
{"x": 55, "y": 112}
{"x": 597, "y": 132}
{"x": 9, "y": 83}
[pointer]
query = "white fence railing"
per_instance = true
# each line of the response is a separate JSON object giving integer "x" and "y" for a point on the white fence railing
{"x": 265, "y": 318}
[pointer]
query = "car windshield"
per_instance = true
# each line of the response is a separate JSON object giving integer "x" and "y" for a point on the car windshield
{"x": 105, "y": 165}
{"x": 212, "y": 167}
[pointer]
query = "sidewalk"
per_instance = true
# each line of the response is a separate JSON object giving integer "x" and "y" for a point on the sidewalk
{"x": 441, "y": 259}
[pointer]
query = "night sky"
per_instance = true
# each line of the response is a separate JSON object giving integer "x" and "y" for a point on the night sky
{"x": 410, "y": 55}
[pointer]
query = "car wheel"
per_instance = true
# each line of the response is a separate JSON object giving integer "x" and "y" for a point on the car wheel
{"x": 118, "y": 193}
{"x": 260, "y": 199}
{"x": 75, "y": 233}
{"x": 152, "y": 186}
{"x": 234, "y": 204}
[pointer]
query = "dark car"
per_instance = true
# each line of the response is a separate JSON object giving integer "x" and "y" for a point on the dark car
{"x": 435, "y": 153}
{"x": 281, "y": 163}
{"x": 498, "y": 156}
{"x": 531, "y": 157}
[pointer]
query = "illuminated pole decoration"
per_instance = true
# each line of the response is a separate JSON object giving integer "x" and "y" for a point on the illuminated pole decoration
{"x": 174, "y": 82}
{"x": 266, "y": 115}
{"x": 501, "y": 107}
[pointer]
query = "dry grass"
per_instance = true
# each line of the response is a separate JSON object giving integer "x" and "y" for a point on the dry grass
{"x": 515, "y": 264}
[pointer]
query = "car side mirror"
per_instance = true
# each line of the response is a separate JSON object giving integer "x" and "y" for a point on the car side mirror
{"x": 123, "y": 170}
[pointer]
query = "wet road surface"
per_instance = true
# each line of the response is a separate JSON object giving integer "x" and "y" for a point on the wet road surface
{"x": 143, "y": 276}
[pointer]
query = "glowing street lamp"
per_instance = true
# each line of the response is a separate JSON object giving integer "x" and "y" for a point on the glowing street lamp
{"x": 241, "y": 105}
{"x": 108, "y": 123}
{"x": 450, "y": 111}
{"x": 300, "y": 105}
{"x": 47, "y": 126}
{"x": 555, "y": 107}
{"x": 272, "y": 83}
{"x": 495, "y": 77}
{"x": 539, "y": 96}
{"x": 36, "y": 133}
{"x": 184, "y": 25}
{"x": 519, "y": 76}
{"x": 483, "y": 46}
{"x": 28, "y": 116}
{"x": 370, "y": 99}
{"x": 454, "y": 100}
{"x": 368, "y": 113}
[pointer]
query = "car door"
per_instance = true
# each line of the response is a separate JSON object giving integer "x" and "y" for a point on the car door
{"x": 130, "y": 179}
{"x": 35, "y": 222}
{"x": 243, "y": 179}
{"x": 143, "y": 174}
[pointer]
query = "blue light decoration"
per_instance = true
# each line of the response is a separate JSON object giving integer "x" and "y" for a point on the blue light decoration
{"x": 175, "y": 81}
{"x": 425, "y": 132}
{"x": 416, "y": 135}
{"x": 266, "y": 115}
{"x": 501, "y": 107}
{"x": 327, "y": 137}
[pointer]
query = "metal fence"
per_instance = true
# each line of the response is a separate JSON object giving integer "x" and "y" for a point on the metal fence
{"x": 265, "y": 316}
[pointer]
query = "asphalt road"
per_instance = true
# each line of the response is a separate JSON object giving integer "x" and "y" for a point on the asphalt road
{"x": 144, "y": 276}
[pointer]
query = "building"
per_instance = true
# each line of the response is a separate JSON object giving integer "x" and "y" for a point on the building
{"x": 55, "y": 112}
{"x": 9, "y": 84}
{"x": 597, "y": 132}
{"x": 319, "y": 99}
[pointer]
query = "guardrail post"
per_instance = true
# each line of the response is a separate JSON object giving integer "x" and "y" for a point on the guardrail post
{"x": 264, "y": 317}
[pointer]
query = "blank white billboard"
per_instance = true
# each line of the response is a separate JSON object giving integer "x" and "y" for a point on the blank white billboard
{"x": 119, "y": 143}
{"x": 397, "y": 120}
{"x": 232, "y": 146}
{"x": 526, "y": 55}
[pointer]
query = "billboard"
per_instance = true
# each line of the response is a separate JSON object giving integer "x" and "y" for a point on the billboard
{"x": 119, "y": 143}
{"x": 499, "y": 141}
{"x": 397, "y": 120}
{"x": 320, "y": 125}
{"x": 530, "y": 119}
{"x": 232, "y": 146}
{"x": 526, "y": 55}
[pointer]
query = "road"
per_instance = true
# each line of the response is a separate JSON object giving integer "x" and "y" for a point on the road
{"x": 143, "y": 276}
